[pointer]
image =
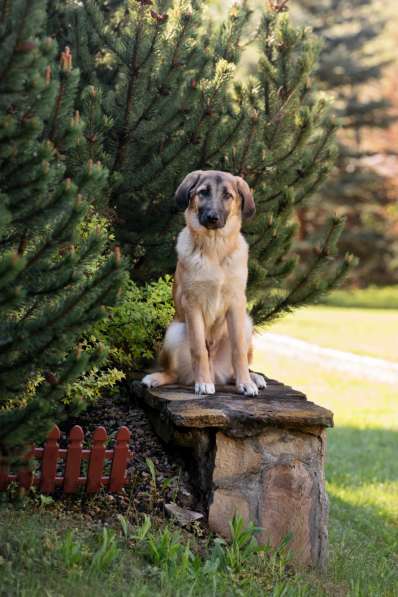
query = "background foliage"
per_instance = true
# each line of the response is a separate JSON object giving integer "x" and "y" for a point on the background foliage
{"x": 160, "y": 91}
{"x": 55, "y": 282}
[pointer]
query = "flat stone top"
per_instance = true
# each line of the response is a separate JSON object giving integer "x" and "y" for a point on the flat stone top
{"x": 276, "y": 405}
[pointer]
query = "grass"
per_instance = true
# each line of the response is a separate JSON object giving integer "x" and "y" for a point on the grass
{"x": 371, "y": 332}
{"x": 364, "y": 298}
{"x": 42, "y": 554}
{"x": 361, "y": 473}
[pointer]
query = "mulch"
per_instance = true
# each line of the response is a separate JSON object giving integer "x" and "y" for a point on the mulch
{"x": 145, "y": 492}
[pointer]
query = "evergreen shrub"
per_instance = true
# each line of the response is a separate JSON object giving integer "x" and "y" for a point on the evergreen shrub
{"x": 134, "y": 330}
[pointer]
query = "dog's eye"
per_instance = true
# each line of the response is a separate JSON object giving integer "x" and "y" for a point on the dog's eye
{"x": 203, "y": 192}
{"x": 227, "y": 196}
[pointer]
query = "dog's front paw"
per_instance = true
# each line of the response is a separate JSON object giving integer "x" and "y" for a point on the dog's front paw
{"x": 258, "y": 380}
{"x": 204, "y": 388}
{"x": 248, "y": 388}
{"x": 152, "y": 380}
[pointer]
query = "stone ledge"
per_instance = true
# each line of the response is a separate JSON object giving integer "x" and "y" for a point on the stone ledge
{"x": 276, "y": 405}
{"x": 260, "y": 457}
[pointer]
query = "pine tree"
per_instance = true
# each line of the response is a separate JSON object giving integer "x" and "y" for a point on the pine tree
{"x": 160, "y": 80}
{"x": 55, "y": 281}
{"x": 352, "y": 58}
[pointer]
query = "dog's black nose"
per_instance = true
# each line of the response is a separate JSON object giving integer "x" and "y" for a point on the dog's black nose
{"x": 213, "y": 217}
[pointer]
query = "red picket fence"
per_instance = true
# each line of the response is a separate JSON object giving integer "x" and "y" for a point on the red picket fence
{"x": 51, "y": 456}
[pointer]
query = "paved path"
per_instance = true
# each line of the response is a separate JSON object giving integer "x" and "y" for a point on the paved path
{"x": 360, "y": 366}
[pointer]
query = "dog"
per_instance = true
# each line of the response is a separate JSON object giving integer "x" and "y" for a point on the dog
{"x": 210, "y": 339}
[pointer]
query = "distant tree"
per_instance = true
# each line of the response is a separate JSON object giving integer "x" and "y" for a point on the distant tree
{"x": 351, "y": 61}
{"x": 160, "y": 99}
{"x": 54, "y": 281}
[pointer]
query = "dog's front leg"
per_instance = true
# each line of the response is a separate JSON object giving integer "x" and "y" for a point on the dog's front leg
{"x": 204, "y": 384}
{"x": 236, "y": 319}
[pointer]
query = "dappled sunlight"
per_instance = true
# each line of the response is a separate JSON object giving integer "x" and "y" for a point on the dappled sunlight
{"x": 355, "y": 402}
{"x": 370, "y": 332}
{"x": 383, "y": 497}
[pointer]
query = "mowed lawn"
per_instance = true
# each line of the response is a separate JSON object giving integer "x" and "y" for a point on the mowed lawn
{"x": 370, "y": 332}
{"x": 362, "y": 463}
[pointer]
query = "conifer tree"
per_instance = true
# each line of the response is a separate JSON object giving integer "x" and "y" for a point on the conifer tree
{"x": 352, "y": 58}
{"x": 54, "y": 281}
{"x": 160, "y": 79}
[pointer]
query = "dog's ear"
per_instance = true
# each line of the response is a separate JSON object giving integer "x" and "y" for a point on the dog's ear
{"x": 248, "y": 205}
{"x": 183, "y": 193}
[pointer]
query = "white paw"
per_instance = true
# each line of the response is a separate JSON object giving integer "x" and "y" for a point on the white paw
{"x": 204, "y": 388}
{"x": 248, "y": 389}
{"x": 258, "y": 380}
{"x": 151, "y": 380}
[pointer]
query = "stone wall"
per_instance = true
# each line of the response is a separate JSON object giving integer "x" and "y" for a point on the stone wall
{"x": 275, "y": 480}
{"x": 260, "y": 457}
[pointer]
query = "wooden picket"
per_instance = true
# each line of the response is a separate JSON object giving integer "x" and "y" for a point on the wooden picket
{"x": 74, "y": 459}
{"x": 51, "y": 457}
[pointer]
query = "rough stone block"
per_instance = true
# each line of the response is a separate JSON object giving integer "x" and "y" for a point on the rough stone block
{"x": 225, "y": 505}
{"x": 262, "y": 458}
{"x": 234, "y": 458}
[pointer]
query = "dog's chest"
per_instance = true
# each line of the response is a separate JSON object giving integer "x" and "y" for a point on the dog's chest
{"x": 212, "y": 285}
{"x": 211, "y": 276}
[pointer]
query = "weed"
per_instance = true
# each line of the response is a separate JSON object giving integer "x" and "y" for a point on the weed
{"x": 45, "y": 500}
{"x": 142, "y": 531}
{"x": 71, "y": 550}
{"x": 242, "y": 546}
{"x": 107, "y": 552}
{"x": 124, "y": 523}
{"x": 153, "y": 492}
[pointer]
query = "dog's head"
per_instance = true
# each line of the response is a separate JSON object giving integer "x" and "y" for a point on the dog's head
{"x": 214, "y": 196}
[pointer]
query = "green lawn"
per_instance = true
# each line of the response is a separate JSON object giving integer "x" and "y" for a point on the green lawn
{"x": 50, "y": 554}
{"x": 372, "y": 332}
{"x": 361, "y": 473}
{"x": 364, "y": 298}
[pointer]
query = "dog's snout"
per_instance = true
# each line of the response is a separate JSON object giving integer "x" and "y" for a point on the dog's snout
{"x": 213, "y": 217}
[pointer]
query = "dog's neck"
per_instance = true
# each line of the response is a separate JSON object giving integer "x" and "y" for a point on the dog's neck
{"x": 214, "y": 244}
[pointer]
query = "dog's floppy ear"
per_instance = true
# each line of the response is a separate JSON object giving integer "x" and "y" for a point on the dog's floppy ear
{"x": 183, "y": 193}
{"x": 248, "y": 205}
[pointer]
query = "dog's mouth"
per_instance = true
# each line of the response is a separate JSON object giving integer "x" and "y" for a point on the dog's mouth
{"x": 211, "y": 226}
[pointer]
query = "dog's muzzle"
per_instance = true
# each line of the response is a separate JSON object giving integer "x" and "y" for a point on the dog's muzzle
{"x": 211, "y": 219}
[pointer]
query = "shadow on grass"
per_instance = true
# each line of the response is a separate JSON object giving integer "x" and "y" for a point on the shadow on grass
{"x": 357, "y": 457}
{"x": 361, "y": 471}
{"x": 363, "y": 549}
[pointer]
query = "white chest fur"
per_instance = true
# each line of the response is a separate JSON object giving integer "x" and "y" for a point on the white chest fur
{"x": 214, "y": 271}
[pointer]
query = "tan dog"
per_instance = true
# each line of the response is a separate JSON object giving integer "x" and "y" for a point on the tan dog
{"x": 210, "y": 338}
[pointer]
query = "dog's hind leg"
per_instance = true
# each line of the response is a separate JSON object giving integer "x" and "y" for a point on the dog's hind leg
{"x": 160, "y": 378}
{"x": 175, "y": 359}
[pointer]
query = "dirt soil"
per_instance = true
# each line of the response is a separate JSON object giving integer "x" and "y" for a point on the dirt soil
{"x": 147, "y": 491}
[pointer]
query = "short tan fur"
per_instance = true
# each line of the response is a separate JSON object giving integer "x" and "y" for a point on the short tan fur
{"x": 210, "y": 338}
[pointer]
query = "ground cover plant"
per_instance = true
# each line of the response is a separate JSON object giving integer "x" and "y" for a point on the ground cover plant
{"x": 54, "y": 556}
